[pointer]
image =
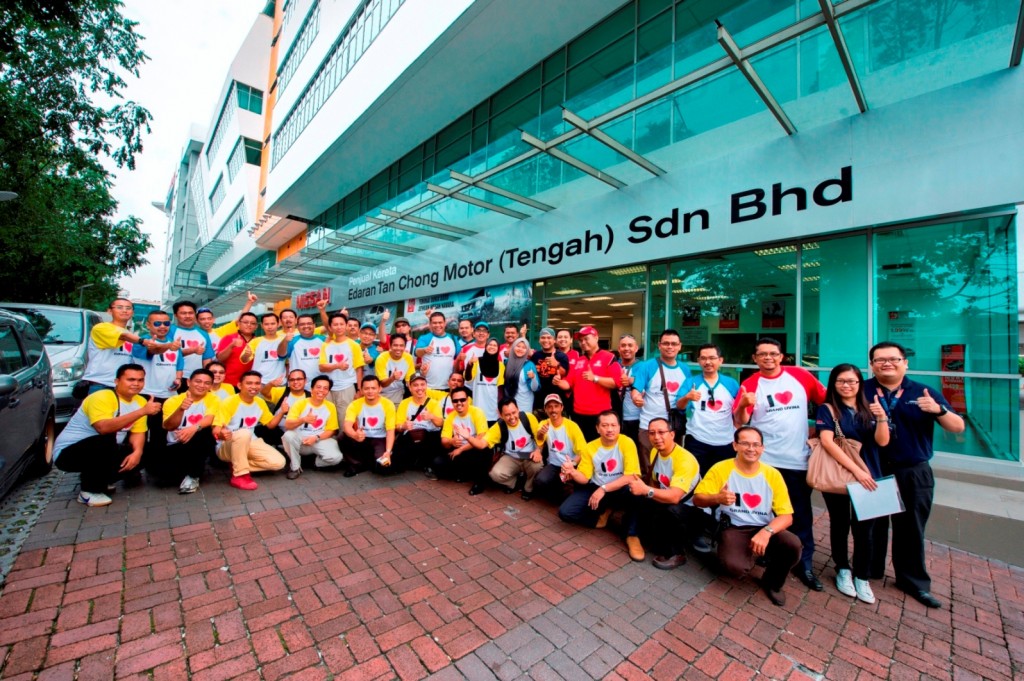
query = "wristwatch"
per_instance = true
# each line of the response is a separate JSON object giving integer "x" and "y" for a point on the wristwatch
{"x": 650, "y": 492}
{"x": 942, "y": 411}
{"x": 768, "y": 529}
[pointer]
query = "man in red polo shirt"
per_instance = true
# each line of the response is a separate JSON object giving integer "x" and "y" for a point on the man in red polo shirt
{"x": 592, "y": 378}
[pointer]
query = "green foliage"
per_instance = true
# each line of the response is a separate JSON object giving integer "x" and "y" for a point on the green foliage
{"x": 62, "y": 70}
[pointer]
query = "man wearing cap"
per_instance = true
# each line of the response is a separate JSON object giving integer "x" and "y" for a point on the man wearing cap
{"x": 564, "y": 442}
{"x": 394, "y": 368}
{"x": 481, "y": 332}
{"x": 551, "y": 363}
{"x": 437, "y": 351}
{"x": 401, "y": 328}
{"x": 592, "y": 377}
{"x": 368, "y": 344}
{"x": 418, "y": 424}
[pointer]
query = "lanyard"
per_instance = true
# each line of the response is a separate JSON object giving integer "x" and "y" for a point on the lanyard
{"x": 889, "y": 401}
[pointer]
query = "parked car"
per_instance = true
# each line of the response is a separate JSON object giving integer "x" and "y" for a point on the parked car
{"x": 478, "y": 306}
{"x": 65, "y": 332}
{"x": 27, "y": 411}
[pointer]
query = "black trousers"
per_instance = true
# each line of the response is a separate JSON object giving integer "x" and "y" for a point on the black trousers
{"x": 416, "y": 454}
{"x": 272, "y": 436}
{"x": 587, "y": 424}
{"x": 803, "y": 513}
{"x": 96, "y": 458}
{"x": 782, "y": 554}
{"x": 576, "y": 509}
{"x": 183, "y": 458}
{"x": 668, "y": 528}
{"x": 156, "y": 436}
{"x": 841, "y": 520}
{"x": 630, "y": 429}
{"x": 362, "y": 456}
{"x": 471, "y": 465}
{"x": 548, "y": 484}
{"x": 708, "y": 455}
{"x": 917, "y": 487}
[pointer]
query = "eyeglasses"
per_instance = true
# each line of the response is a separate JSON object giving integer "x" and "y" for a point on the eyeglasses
{"x": 847, "y": 381}
{"x": 167, "y": 323}
{"x": 887, "y": 360}
{"x": 707, "y": 359}
{"x": 750, "y": 445}
{"x": 658, "y": 432}
{"x": 122, "y": 307}
{"x": 764, "y": 355}
{"x": 458, "y": 400}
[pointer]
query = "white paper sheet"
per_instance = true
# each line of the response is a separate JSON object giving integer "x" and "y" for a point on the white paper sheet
{"x": 885, "y": 500}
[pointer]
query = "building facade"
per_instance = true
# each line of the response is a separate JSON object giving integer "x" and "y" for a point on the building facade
{"x": 828, "y": 174}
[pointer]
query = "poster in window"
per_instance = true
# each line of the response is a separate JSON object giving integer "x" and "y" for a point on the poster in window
{"x": 954, "y": 359}
{"x": 773, "y": 314}
{"x": 691, "y": 315}
{"x": 729, "y": 317}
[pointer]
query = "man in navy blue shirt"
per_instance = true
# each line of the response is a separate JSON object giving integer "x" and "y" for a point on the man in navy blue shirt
{"x": 912, "y": 410}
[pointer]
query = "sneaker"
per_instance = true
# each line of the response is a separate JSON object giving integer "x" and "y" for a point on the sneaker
{"x": 188, "y": 485}
{"x": 863, "y": 589}
{"x": 844, "y": 583}
{"x": 243, "y": 482}
{"x": 430, "y": 474}
{"x": 94, "y": 499}
{"x": 112, "y": 487}
{"x": 602, "y": 520}
{"x": 701, "y": 545}
{"x": 635, "y": 548}
{"x": 293, "y": 473}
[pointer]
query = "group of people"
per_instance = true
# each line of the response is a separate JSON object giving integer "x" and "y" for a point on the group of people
{"x": 692, "y": 461}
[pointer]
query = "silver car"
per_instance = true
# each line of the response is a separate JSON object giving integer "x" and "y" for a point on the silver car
{"x": 65, "y": 333}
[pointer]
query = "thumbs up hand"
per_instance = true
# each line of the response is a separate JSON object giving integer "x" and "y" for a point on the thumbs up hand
{"x": 152, "y": 407}
{"x": 747, "y": 399}
{"x": 928, "y": 404}
{"x": 876, "y": 409}
{"x": 726, "y": 497}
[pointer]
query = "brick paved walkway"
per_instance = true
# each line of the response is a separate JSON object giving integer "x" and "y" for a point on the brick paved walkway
{"x": 332, "y": 578}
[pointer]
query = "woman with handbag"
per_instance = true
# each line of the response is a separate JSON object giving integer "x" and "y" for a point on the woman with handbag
{"x": 857, "y": 423}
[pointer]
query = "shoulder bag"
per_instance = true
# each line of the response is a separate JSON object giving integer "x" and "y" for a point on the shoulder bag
{"x": 824, "y": 473}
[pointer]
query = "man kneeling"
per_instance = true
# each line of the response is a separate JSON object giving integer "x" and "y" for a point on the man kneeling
{"x": 310, "y": 429}
{"x": 753, "y": 496}
{"x": 106, "y": 435}
{"x": 234, "y": 426}
{"x": 519, "y": 451}
{"x": 188, "y": 420}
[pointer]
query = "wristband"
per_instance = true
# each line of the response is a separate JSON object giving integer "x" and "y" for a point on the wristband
{"x": 942, "y": 411}
{"x": 768, "y": 529}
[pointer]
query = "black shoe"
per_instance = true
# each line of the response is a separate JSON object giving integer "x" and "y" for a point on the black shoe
{"x": 809, "y": 580}
{"x": 293, "y": 473}
{"x": 670, "y": 562}
{"x": 476, "y": 489}
{"x": 526, "y": 495}
{"x": 510, "y": 490}
{"x": 925, "y": 598}
{"x": 430, "y": 474}
{"x": 349, "y": 473}
{"x": 775, "y": 596}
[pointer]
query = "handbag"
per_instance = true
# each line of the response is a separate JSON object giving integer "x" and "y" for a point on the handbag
{"x": 676, "y": 417}
{"x": 824, "y": 473}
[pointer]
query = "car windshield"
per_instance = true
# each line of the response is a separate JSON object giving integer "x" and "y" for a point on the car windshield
{"x": 55, "y": 327}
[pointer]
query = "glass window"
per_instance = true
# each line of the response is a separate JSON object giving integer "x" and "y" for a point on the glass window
{"x": 33, "y": 346}
{"x": 54, "y": 326}
{"x": 217, "y": 195}
{"x": 834, "y": 286}
{"x": 11, "y": 360}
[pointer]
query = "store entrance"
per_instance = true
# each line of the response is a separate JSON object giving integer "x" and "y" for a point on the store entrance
{"x": 612, "y": 314}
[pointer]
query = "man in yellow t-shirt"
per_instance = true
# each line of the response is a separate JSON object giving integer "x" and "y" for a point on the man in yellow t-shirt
{"x": 106, "y": 435}
{"x": 234, "y": 426}
{"x": 110, "y": 346}
{"x": 667, "y": 515}
{"x": 310, "y": 427}
{"x": 418, "y": 424}
{"x": 188, "y": 421}
{"x": 564, "y": 441}
{"x": 394, "y": 368}
{"x": 342, "y": 360}
{"x": 753, "y": 496}
{"x": 515, "y": 435}
{"x": 370, "y": 431}
{"x": 461, "y": 461}
{"x": 606, "y": 468}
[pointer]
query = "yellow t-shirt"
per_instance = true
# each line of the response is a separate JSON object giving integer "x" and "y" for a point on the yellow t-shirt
{"x": 679, "y": 469}
{"x": 564, "y": 443}
{"x": 326, "y": 416}
{"x": 375, "y": 420}
{"x": 224, "y": 392}
{"x": 210, "y": 404}
{"x": 602, "y": 465}
{"x": 107, "y": 335}
{"x": 237, "y": 415}
{"x": 759, "y": 497}
{"x": 519, "y": 445}
{"x": 385, "y": 364}
{"x": 105, "y": 404}
{"x": 408, "y": 408}
{"x": 445, "y": 401}
{"x": 474, "y": 419}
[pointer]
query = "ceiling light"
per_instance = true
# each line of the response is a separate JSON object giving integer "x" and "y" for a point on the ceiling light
{"x": 578, "y": 314}
{"x": 558, "y": 309}
{"x": 626, "y": 303}
{"x": 602, "y": 316}
{"x": 634, "y": 269}
{"x": 595, "y": 299}
{"x": 816, "y": 277}
{"x": 568, "y": 292}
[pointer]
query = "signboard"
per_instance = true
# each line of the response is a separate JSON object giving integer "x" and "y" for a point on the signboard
{"x": 308, "y": 299}
{"x": 954, "y": 358}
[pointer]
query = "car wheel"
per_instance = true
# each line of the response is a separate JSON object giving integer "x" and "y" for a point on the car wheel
{"x": 41, "y": 452}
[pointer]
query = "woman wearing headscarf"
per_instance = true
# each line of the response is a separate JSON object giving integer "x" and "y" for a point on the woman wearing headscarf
{"x": 485, "y": 376}
{"x": 521, "y": 379}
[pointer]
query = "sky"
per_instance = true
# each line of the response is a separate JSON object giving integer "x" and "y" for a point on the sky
{"x": 190, "y": 44}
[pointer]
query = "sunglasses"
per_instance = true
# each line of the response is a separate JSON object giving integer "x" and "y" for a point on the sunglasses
{"x": 167, "y": 323}
{"x": 458, "y": 400}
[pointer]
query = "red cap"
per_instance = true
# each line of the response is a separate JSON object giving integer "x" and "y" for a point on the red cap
{"x": 585, "y": 331}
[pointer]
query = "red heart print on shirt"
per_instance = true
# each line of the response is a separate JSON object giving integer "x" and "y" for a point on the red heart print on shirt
{"x": 714, "y": 405}
{"x": 557, "y": 445}
{"x": 314, "y": 351}
{"x": 194, "y": 418}
{"x": 318, "y": 423}
{"x": 751, "y": 500}
{"x": 170, "y": 356}
{"x": 372, "y": 421}
{"x": 520, "y": 442}
{"x": 672, "y": 386}
{"x": 128, "y": 347}
{"x": 272, "y": 354}
{"x": 422, "y": 416}
{"x": 784, "y": 397}
{"x": 338, "y": 358}
{"x": 664, "y": 480}
{"x": 249, "y": 421}
{"x": 611, "y": 464}
{"x": 191, "y": 343}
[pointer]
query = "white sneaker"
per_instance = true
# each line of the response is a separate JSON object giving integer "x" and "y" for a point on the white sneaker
{"x": 94, "y": 499}
{"x": 864, "y": 592}
{"x": 188, "y": 485}
{"x": 844, "y": 583}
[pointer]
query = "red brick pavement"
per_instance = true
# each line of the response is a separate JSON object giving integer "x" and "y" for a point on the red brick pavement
{"x": 407, "y": 581}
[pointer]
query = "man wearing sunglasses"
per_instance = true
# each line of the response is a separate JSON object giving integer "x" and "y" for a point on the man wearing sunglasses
{"x": 912, "y": 410}
{"x": 461, "y": 461}
{"x": 164, "y": 368}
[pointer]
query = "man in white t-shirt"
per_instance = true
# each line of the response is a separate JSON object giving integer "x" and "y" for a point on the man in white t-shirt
{"x": 437, "y": 351}
{"x": 311, "y": 425}
{"x": 515, "y": 435}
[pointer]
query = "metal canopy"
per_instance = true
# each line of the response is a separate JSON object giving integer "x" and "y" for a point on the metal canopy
{"x": 550, "y": 149}
{"x": 395, "y": 224}
{"x": 374, "y": 245}
{"x": 613, "y": 144}
{"x": 828, "y": 11}
{"x": 487, "y": 186}
{"x": 1018, "y": 39}
{"x": 480, "y": 203}
{"x": 205, "y": 256}
{"x": 409, "y": 217}
{"x": 748, "y": 71}
{"x": 333, "y": 256}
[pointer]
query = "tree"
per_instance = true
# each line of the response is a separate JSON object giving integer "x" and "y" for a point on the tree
{"x": 62, "y": 113}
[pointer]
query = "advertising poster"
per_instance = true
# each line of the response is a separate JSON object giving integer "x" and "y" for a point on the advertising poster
{"x": 691, "y": 315}
{"x": 903, "y": 329}
{"x": 730, "y": 316}
{"x": 773, "y": 314}
{"x": 954, "y": 358}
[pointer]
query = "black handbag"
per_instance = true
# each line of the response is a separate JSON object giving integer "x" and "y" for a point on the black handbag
{"x": 676, "y": 417}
